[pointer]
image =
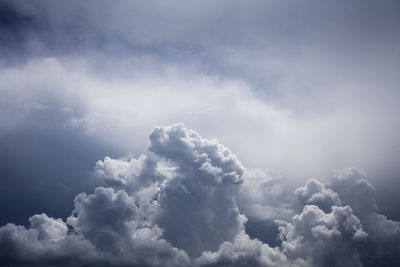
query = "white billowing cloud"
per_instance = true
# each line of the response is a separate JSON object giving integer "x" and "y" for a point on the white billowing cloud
{"x": 315, "y": 193}
{"x": 187, "y": 205}
{"x": 198, "y": 209}
{"x": 244, "y": 251}
{"x": 324, "y": 239}
{"x": 130, "y": 173}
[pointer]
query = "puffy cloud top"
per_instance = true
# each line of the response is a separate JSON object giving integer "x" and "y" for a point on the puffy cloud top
{"x": 180, "y": 208}
{"x": 130, "y": 173}
{"x": 190, "y": 151}
{"x": 325, "y": 239}
{"x": 315, "y": 193}
{"x": 198, "y": 206}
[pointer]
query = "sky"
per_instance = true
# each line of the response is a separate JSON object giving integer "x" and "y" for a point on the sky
{"x": 207, "y": 133}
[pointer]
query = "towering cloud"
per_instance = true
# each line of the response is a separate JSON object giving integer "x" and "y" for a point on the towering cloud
{"x": 179, "y": 207}
{"x": 293, "y": 88}
{"x": 198, "y": 207}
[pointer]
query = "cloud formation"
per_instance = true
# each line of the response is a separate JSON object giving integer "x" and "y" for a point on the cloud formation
{"x": 355, "y": 190}
{"x": 180, "y": 208}
{"x": 198, "y": 207}
{"x": 298, "y": 88}
{"x": 315, "y": 193}
{"x": 324, "y": 239}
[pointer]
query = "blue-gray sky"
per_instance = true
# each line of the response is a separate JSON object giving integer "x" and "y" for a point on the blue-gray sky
{"x": 296, "y": 90}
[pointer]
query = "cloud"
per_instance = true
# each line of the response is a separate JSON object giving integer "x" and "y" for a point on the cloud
{"x": 45, "y": 242}
{"x": 315, "y": 193}
{"x": 284, "y": 85}
{"x": 324, "y": 239}
{"x": 187, "y": 204}
{"x": 297, "y": 103}
{"x": 113, "y": 223}
{"x": 244, "y": 251}
{"x": 129, "y": 173}
{"x": 351, "y": 188}
{"x": 355, "y": 190}
{"x": 198, "y": 209}
{"x": 105, "y": 228}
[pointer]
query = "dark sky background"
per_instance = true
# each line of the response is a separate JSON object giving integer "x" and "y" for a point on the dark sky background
{"x": 296, "y": 90}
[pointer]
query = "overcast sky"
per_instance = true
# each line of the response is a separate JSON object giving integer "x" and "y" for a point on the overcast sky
{"x": 295, "y": 89}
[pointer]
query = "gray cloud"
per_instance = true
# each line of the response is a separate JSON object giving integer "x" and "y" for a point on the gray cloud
{"x": 45, "y": 242}
{"x": 350, "y": 187}
{"x": 188, "y": 205}
{"x": 106, "y": 230}
{"x": 113, "y": 223}
{"x": 198, "y": 207}
{"x": 300, "y": 88}
{"x": 314, "y": 89}
{"x": 130, "y": 173}
{"x": 315, "y": 193}
{"x": 356, "y": 191}
{"x": 244, "y": 251}
{"x": 325, "y": 239}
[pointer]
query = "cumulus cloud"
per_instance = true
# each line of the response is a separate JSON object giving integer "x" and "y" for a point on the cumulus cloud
{"x": 350, "y": 187}
{"x": 315, "y": 193}
{"x": 45, "y": 242}
{"x": 355, "y": 190}
{"x": 129, "y": 173}
{"x": 105, "y": 228}
{"x": 244, "y": 251}
{"x": 198, "y": 206}
{"x": 85, "y": 79}
{"x": 187, "y": 205}
{"x": 324, "y": 239}
{"x": 113, "y": 223}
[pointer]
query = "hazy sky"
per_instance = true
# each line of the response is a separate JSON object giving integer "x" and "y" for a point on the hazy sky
{"x": 295, "y": 89}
